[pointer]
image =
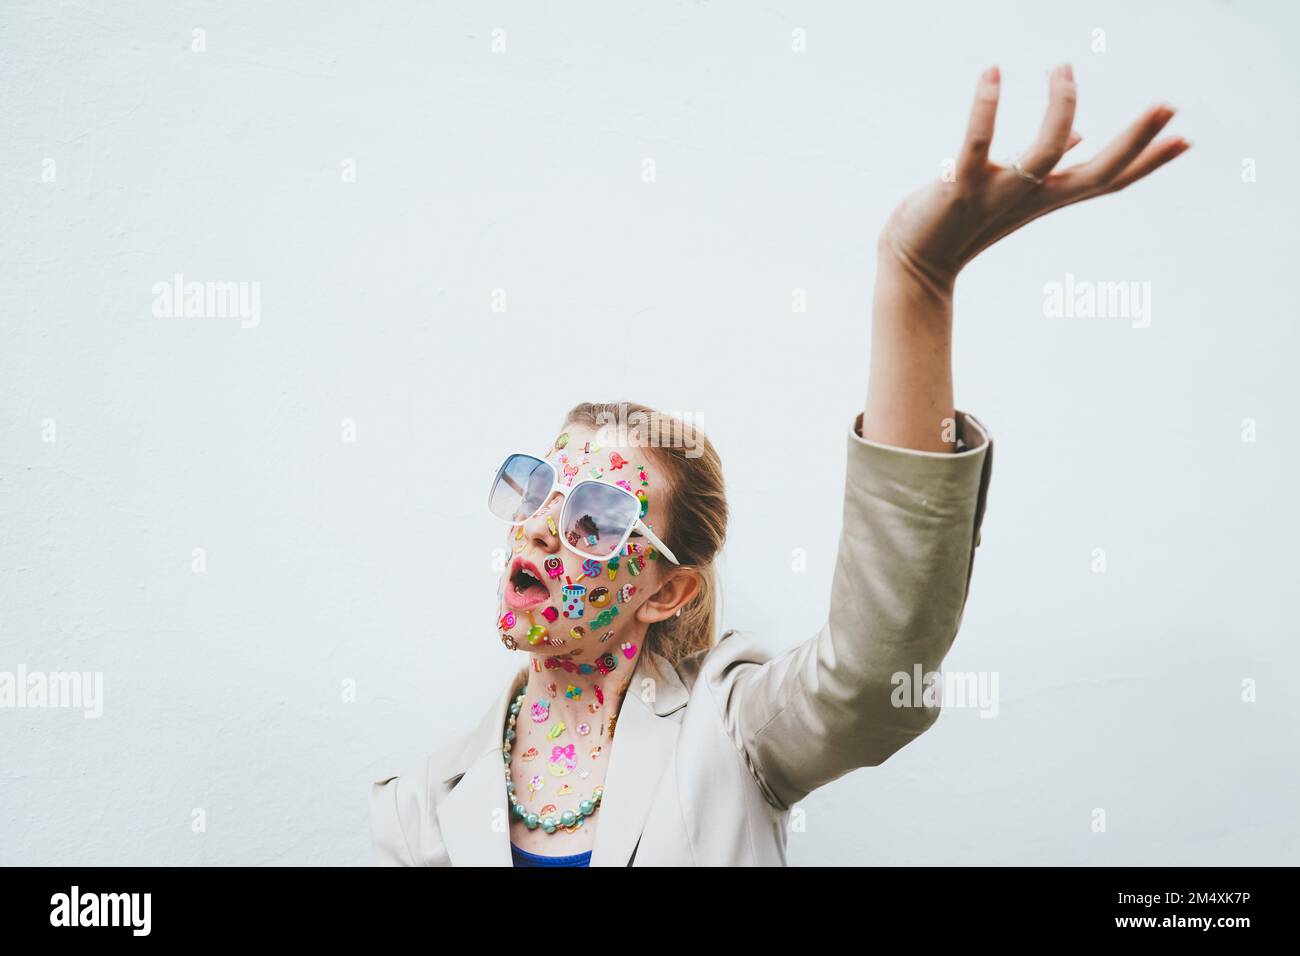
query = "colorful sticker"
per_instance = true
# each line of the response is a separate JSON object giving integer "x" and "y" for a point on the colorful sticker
{"x": 572, "y": 596}
{"x": 616, "y": 461}
{"x": 541, "y": 711}
{"x": 562, "y": 761}
{"x": 595, "y": 752}
{"x": 625, "y": 593}
{"x": 640, "y": 473}
{"x": 562, "y": 440}
{"x": 628, "y": 649}
{"x": 604, "y": 618}
{"x": 583, "y": 729}
{"x": 536, "y": 634}
{"x": 600, "y": 696}
{"x": 507, "y": 621}
{"x": 577, "y": 632}
{"x": 531, "y": 753}
{"x": 573, "y": 693}
{"x": 554, "y": 567}
{"x": 596, "y": 473}
{"x": 612, "y": 566}
{"x": 557, "y": 729}
{"x": 590, "y": 569}
{"x": 645, "y": 501}
{"x": 624, "y": 484}
{"x": 606, "y": 663}
{"x": 535, "y": 783}
{"x": 550, "y": 614}
{"x": 570, "y": 472}
{"x": 599, "y": 597}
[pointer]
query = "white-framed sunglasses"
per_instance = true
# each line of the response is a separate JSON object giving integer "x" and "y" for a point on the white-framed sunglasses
{"x": 596, "y": 520}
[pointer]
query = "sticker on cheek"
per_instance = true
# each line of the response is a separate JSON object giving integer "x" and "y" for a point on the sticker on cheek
{"x": 604, "y": 618}
{"x": 599, "y": 597}
{"x": 590, "y": 569}
{"x": 572, "y": 596}
{"x": 625, "y": 593}
{"x": 562, "y": 440}
{"x": 597, "y": 473}
{"x": 577, "y": 632}
{"x": 641, "y": 475}
{"x": 550, "y": 614}
{"x": 612, "y": 566}
{"x": 644, "y": 499}
{"x": 624, "y": 484}
{"x": 554, "y": 567}
{"x": 616, "y": 461}
{"x": 507, "y": 621}
{"x": 628, "y": 649}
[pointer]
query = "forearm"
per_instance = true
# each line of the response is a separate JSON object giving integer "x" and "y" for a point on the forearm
{"x": 909, "y": 391}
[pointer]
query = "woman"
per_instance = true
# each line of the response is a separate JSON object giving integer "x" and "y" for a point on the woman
{"x": 631, "y": 736}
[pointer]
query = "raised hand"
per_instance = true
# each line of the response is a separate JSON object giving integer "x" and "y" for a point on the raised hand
{"x": 938, "y": 229}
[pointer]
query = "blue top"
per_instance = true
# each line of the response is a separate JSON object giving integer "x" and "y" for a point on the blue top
{"x": 524, "y": 858}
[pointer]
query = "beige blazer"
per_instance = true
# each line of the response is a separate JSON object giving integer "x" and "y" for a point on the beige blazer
{"x": 711, "y": 755}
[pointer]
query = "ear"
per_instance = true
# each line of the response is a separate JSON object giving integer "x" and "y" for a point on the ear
{"x": 677, "y": 590}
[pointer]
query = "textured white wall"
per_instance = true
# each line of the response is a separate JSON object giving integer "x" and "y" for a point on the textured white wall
{"x": 330, "y": 561}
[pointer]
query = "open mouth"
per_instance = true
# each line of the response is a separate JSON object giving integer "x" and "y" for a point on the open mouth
{"x": 525, "y": 589}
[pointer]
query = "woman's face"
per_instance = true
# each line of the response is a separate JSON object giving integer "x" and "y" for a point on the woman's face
{"x": 554, "y": 602}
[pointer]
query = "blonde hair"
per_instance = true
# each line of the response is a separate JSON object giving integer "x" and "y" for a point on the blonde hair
{"x": 694, "y": 512}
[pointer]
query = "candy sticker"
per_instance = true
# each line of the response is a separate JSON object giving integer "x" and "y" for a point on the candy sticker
{"x": 541, "y": 711}
{"x": 625, "y": 593}
{"x": 604, "y": 618}
{"x": 640, "y": 473}
{"x": 612, "y": 566}
{"x": 628, "y": 649}
{"x": 531, "y": 753}
{"x": 536, "y": 634}
{"x": 550, "y": 614}
{"x": 554, "y": 567}
{"x": 557, "y": 729}
{"x": 606, "y": 663}
{"x": 596, "y": 473}
{"x": 570, "y": 472}
{"x": 616, "y": 461}
{"x": 645, "y": 501}
{"x": 624, "y": 484}
{"x": 562, "y": 440}
{"x": 599, "y": 597}
{"x": 507, "y": 621}
{"x": 590, "y": 569}
{"x": 573, "y": 693}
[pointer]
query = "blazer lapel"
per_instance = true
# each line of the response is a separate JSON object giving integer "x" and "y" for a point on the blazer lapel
{"x": 474, "y": 817}
{"x": 644, "y": 738}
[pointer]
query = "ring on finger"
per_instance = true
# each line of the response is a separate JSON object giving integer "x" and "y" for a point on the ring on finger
{"x": 1024, "y": 174}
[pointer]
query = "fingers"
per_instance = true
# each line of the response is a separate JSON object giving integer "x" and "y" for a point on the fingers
{"x": 1149, "y": 160}
{"x": 974, "y": 154}
{"x": 1058, "y": 123}
{"x": 1121, "y": 152}
{"x": 1074, "y": 140}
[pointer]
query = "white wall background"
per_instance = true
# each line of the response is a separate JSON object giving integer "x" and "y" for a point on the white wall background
{"x": 521, "y": 170}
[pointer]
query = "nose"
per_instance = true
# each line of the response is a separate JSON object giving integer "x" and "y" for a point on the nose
{"x": 542, "y": 530}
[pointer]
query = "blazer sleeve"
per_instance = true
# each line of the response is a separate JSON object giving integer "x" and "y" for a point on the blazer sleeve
{"x": 911, "y": 525}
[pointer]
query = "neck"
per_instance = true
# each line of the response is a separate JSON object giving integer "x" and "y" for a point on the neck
{"x": 585, "y": 681}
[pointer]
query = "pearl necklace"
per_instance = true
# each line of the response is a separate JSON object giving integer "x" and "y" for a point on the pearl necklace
{"x": 548, "y": 823}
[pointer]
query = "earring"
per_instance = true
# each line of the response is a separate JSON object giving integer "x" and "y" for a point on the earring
{"x": 679, "y": 613}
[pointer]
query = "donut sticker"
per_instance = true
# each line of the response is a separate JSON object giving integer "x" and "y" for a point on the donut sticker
{"x": 562, "y": 762}
{"x": 599, "y": 597}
